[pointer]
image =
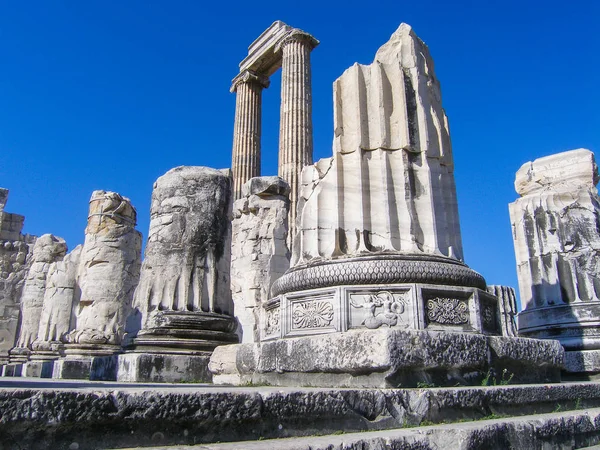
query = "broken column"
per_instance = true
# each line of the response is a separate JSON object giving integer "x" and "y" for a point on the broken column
{"x": 57, "y": 316}
{"x": 556, "y": 225}
{"x": 377, "y": 294}
{"x": 46, "y": 250}
{"x": 248, "y": 87}
{"x": 259, "y": 253}
{"x": 15, "y": 258}
{"x": 295, "y": 126}
{"x": 183, "y": 301}
{"x": 109, "y": 269}
{"x": 507, "y": 302}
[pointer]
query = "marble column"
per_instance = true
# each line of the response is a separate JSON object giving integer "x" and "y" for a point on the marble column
{"x": 248, "y": 86}
{"x": 295, "y": 129}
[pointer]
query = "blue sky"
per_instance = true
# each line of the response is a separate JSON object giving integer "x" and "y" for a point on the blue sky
{"x": 112, "y": 94}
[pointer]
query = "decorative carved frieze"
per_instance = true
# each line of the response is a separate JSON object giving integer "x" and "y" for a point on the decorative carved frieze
{"x": 447, "y": 311}
{"x": 272, "y": 322}
{"x": 383, "y": 309}
{"x": 315, "y": 314}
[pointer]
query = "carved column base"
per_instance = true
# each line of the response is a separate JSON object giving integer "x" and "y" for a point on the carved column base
{"x": 389, "y": 358}
{"x": 19, "y": 355}
{"x": 576, "y": 326}
{"x": 175, "y": 347}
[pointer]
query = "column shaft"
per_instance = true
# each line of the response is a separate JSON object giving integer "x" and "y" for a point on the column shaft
{"x": 247, "y": 129}
{"x": 295, "y": 132}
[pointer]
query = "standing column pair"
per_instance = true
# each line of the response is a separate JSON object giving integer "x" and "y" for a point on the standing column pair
{"x": 292, "y": 52}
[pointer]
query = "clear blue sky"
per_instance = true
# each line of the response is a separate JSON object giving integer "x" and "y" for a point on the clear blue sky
{"x": 112, "y": 94}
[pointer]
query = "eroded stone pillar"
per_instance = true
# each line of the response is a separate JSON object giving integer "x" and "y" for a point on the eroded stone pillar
{"x": 57, "y": 310}
{"x": 556, "y": 225}
{"x": 47, "y": 249}
{"x": 109, "y": 270}
{"x": 259, "y": 253}
{"x": 295, "y": 128}
{"x": 183, "y": 301}
{"x": 248, "y": 87}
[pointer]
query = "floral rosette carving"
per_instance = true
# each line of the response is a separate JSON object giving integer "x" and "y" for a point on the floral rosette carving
{"x": 447, "y": 311}
{"x": 312, "y": 314}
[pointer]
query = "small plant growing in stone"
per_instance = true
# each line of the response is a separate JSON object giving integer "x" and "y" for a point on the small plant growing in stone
{"x": 504, "y": 380}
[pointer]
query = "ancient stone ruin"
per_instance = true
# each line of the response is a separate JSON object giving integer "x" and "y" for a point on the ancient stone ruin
{"x": 377, "y": 258}
{"x": 289, "y": 48}
{"x": 15, "y": 259}
{"x": 556, "y": 231}
{"x": 183, "y": 305}
{"x": 346, "y": 274}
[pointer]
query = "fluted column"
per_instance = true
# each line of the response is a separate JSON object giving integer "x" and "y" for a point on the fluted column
{"x": 248, "y": 86}
{"x": 295, "y": 129}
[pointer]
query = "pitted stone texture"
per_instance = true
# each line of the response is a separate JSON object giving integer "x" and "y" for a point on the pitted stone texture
{"x": 57, "y": 310}
{"x": 557, "y": 245}
{"x": 116, "y": 417}
{"x": 183, "y": 301}
{"x": 583, "y": 361}
{"x": 259, "y": 253}
{"x": 15, "y": 259}
{"x": 186, "y": 265}
{"x": 47, "y": 249}
{"x": 391, "y": 358}
{"x": 109, "y": 269}
{"x": 389, "y": 185}
{"x": 507, "y": 301}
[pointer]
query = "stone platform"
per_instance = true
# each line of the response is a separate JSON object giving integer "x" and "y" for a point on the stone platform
{"x": 51, "y": 414}
{"x": 386, "y": 358}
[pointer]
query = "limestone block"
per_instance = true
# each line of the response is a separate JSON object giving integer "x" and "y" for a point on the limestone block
{"x": 259, "y": 253}
{"x": 57, "y": 309}
{"x": 390, "y": 184}
{"x": 557, "y": 245}
{"x": 47, "y": 249}
{"x": 388, "y": 358}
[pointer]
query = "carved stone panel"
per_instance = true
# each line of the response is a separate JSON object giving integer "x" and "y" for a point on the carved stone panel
{"x": 449, "y": 309}
{"x": 382, "y": 308}
{"x": 312, "y": 313}
{"x": 272, "y": 322}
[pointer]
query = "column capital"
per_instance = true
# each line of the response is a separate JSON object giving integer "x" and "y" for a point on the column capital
{"x": 296, "y": 35}
{"x": 249, "y": 76}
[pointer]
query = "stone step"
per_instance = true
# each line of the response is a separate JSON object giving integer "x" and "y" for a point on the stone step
{"x": 557, "y": 431}
{"x": 125, "y": 415}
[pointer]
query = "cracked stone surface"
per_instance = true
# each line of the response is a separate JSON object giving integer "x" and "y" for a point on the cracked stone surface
{"x": 118, "y": 417}
{"x": 389, "y": 185}
{"x": 47, "y": 249}
{"x": 109, "y": 268}
{"x": 556, "y": 225}
{"x": 259, "y": 252}
{"x": 15, "y": 259}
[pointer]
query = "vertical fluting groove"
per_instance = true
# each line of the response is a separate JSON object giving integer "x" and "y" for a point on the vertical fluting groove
{"x": 295, "y": 132}
{"x": 247, "y": 133}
